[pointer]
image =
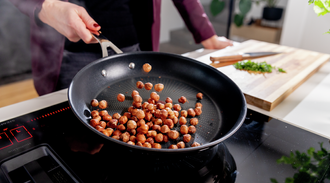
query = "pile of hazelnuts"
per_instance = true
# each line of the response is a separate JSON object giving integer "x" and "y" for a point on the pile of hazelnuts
{"x": 148, "y": 124}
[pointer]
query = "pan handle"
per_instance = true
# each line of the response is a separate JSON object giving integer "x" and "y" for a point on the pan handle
{"x": 105, "y": 43}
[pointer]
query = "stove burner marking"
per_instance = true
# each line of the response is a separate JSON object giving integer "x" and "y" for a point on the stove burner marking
{"x": 5, "y": 140}
{"x": 21, "y": 133}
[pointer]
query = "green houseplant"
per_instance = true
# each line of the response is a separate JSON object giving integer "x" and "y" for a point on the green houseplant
{"x": 271, "y": 12}
{"x": 321, "y": 7}
{"x": 244, "y": 7}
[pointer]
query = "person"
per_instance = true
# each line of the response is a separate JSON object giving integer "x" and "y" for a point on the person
{"x": 61, "y": 40}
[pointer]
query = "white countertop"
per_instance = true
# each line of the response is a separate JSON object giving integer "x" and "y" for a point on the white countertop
{"x": 308, "y": 107}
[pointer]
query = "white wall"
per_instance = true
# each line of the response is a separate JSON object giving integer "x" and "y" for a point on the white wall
{"x": 304, "y": 29}
{"x": 170, "y": 20}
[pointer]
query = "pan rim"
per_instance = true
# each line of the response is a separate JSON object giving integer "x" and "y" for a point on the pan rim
{"x": 202, "y": 147}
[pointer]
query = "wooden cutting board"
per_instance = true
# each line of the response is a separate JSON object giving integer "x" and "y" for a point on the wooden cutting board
{"x": 266, "y": 91}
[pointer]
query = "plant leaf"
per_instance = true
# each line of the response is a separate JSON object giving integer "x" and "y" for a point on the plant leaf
{"x": 216, "y": 7}
{"x": 238, "y": 20}
{"x": 244, "y": 6}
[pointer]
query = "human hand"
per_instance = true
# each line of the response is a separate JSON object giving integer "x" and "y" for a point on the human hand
{"x": 216, "y": 42}
{"x": 70, "y": 20}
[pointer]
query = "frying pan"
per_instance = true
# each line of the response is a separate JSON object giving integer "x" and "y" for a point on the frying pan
{"x": 224, "y": 105}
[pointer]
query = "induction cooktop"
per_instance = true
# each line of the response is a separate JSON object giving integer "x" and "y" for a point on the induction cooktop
{"x": 51, "y": 145}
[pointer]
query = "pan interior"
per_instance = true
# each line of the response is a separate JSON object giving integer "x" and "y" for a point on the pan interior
{"x": 210, "y": 120}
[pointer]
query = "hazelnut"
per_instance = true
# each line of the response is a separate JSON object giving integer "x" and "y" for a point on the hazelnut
{"x": 198, "y": 105}
{"x": 130, "y": 142}
{"x": 140, "y": 114}
{"x": 94, "y": 113}
{"x": 199, "y": 96}
{"x": 103, "y": 104}
{"x": 121, "y": 97}
{"x": 143, "y": 129}
{"x": 198, "y": 111}
{"x": 169, "y": 105}
{"x": 103, "y": 124}
{"x": 194, "y": 121}
{"x": 150, "y": 140}
{"x": 99, "y": 128}
{"x": 165, "y": 129}
{"x": 158, "y": 121}
{"x": 156, "y": 127}
{"x": 184, "y": 113}
{"x": 173, "y": 146}
{"x": 154, "y": 96}
{"x": 94, "y": 122}
{"x": 137, "y": 99}
{"x": 192, "y": 129}
{"x": 116, "y": 116}
{"x": 112, "y": 123}
{"x": 180, "y": 144}
{"x": 106, "y": 133}
{"x": 94, "y": 103}
{"x": 139, "y": 144}
{"x": 186, "y": 138}
{"x": 159, "y": 137}
{"x": 165, "y": 138}
{"x": 107, "y": 117}
{"x": 125, "y": 137}
{"x": 132, "y": 138}
{"x": 182, "y": 120}
{"x": 169, "y": 123}
{"x": 145, "y": 105}
{"x": 177, "y": 107}
{"x": 159, "y": 87}
{"x": 184, "y": 129}
{"x": 147, "y": 144}
{"x": 134, "y": 92}
{"x": 147, "y": 67}
{"x": 173, "y": 134}
{"x": 195, "y": 144}
{"x": 182, "y": 100}
{"x": 168, "y": 100}
{"x": 156, "y": 146}
{"x": 191, "y": 112}
{"x": 121, "y": 127}
{"x": 110, "y": 130}
{"x": 140, "y": 138}
{"x": 139, "y": 84}
{"x": 148, "y": 86}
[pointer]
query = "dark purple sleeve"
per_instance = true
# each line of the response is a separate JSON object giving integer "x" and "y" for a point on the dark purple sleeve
{"x": 195, "y": 19}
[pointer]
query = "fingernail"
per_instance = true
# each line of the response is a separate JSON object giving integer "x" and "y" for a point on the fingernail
{"x": 96, "y": 25}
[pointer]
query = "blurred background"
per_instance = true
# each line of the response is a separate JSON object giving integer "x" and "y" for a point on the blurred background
{"x": 298, "y": 26}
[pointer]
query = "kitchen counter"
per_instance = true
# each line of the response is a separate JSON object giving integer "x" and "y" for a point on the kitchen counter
{"x": 308, "y": 107}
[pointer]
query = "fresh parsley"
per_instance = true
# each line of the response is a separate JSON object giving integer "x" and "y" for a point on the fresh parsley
{"x": 261, "y": 67}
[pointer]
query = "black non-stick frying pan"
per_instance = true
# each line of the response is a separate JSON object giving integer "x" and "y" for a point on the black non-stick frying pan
{"x": 224, "y": 106}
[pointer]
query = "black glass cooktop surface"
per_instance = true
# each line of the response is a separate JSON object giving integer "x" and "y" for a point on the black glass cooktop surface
{"x": 51, "y": 145}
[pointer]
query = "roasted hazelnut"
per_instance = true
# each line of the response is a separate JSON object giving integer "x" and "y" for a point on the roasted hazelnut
{"x": 121, "y": 97}
{"x": 170, "y": 114}
{"x": 112, "y": 123}
{"x": 141, "y": 122}
{"x": 121, "y": 127}
{"x": 159, "y": 137}
{"x": 127, "y": 114}
{"x": 169, "y": 105}
{"x": 160, "y": 106}
{"x": 175, "y": 120}
{"x": 157, "y": 113}
{"x": 94, "y": 113}
{"x": 151, "y": 133}
{"x": 184, "y": 129}
{"x": 168, "y": 100}
{"x": 180, "y": 144}
{"x": 194, "y": 121}
{"x": 132, "y": 131}
{"x": 97, "y": 118}
{"x": 134, "y": 92}
{"x": 137, "y": 105}
{"x": 103, "y": 124}
{"x": 132, "y": 138}
{"x": 158, "y": 121}
{"x": 147, "y": 144}
{"x": 148, "y": 86}
{"x": 94, "y": 122}
{"x": 191, "y": 112}
{"x": 156, "y": 128}
{"x": 165, "y": 129}
{"x": 106, "y": 133}
{"x": 123, "y": 120}
{"x": 116, "y": 116}
{"x": 151, "y": 101}
{"x": 116, "y": 137}
{"x": 163, "y": 113}
{"x": 140, "y": 138}
{"x": 182, "y": 100}
{"x": 195, "y": 144}
{"x": 176, "y": 113}
{"x": 173, "y": 134}
{"x": 182, "y": 120}
{"x": 130, "y": 109}
{"x": 125, "y": 137}
{"x": 192, "y": 129}
{"x": 156, "y": 146}
{"x": 139, "y": 144}
{"x": 94, "y": 103}
{"x": 130, "y": 142}
{"x": 134, "y": 112}
{"x": 103, "y": 104}
{"x": 137, "y": 98}
{"x": 150, "y": 124}
{"x": 165, "y": 138}
{"x": 177, "y": 107}
{"x": 145, "y": 105}
{"x": 148, "y": 116}
{"x": 147, "y": 67}
{"x": 117, "y": 133}
{"x": 186, "y": 138}
{"x": 103, "y": 112}
{"x": 140, "y": 114}
{"x": 107, "y": 117}
{"x": 139, "y": 84}
{"x": 199, "y": 96}
{"x": 159, "y": 87}
{"x": 173, "y": 146}
{"x": 169, "y": 123}
{"x": 150, "y": 140}
{"x": 198, "y": 105}
{"x": 198, "y": 111}
{"x": 143, "y": 129}
{"x": 154, "y": 96}
{"x": 184, "y": 113}
{"x": 134, "y": 118}
{"x": 110, "y": 130}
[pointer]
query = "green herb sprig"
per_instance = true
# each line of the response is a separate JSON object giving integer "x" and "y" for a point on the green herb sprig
{"x": 321, "y": 7}
{"x": 262, "y": 67}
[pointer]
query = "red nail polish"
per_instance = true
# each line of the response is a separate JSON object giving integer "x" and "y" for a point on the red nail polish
{"x": 96, "y": 25}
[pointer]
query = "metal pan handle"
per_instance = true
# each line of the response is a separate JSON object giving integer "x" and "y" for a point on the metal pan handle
{"x": 105, "y": 43}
